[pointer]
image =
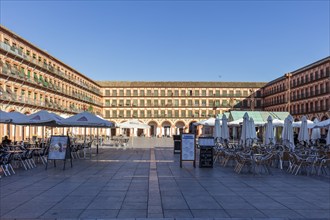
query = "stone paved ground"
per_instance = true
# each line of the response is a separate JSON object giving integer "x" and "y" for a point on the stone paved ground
{"x": 147, "y": 182}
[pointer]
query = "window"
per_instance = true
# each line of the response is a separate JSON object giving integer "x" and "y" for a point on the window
{"x": 121, "y": 92}
{"x": 183, "y": 113}
{"x": 162, "y": 102}
{"x": 176, "y": 92}
{"x": 203, "y": 113}
{"x": 183, "y": 103}
{"x": 142, "y": 102}
{"x": 196, "y": 103}
{"x": 155, "y": 113}
{"x": 196, "y": 92}
{"x": 121, "y": 113}
{"x": 107, "y": 92}
{"x": 128, "y": 102}
{"x": 135, "y": 92}
{"x": 148, "y": 92}
{"x": 107, "y": 102}
{"x": 149, "y": 102}
{"x": 135, "y": 102}
{"x": 162, "y": 113}
{"x": 142, "y": 113}
{"x": 155, "y": 102}
{"x": 107, "y": 113}
{"x": 210, "y": 92}
{"x": 135, "y": 113}
{"x": 204, "y": 93}
{"x": 183, "y": 92}
{"x": 169, "y": 93}
{"x": 176, "y": 102}
{"x": 217, "y": 93}
{"x": 169, "y": 113}
{"x": 114, "y": 102}
{"x": 128, "y": 113}
{"x": 190, "y": 102}
{"x": 190, "y": 114}
{"x": 224, "y": 92}
{"x": 128, "y": 92}
{"x": 203, "y": 102}
{"x": 155, "y": 92}
{"x": 176, "y": 113}
{"x": 149, "y": 113}
{"x": 114, "y": 92}
{"x": 141, "y": 92}
{"x": 162, "y": 92}
{"x": 121, "y": 102}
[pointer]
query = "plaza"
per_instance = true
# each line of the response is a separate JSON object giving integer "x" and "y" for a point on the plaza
{"x": 144, "y": 180}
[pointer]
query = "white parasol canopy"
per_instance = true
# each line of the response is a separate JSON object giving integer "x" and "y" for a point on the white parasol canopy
{"x": 323, "y": 124}
{"x": 217, "y": 128}
{"x": 287, "y": 134}
{"x": 297, "y": 124}
{"x": 224, "y": 129}
{"x": 206, "y": 122}
{"x": 303, "y": 131}
{"x": 316, "y": 132}
{"x": 269, "y": 134}
{"x": 4, "y": 117}
{"x": 86, "y": 119}
{"x": 40, "y": 118}
{"x": 245, "y": 133}
{"x": 133, "y": 123}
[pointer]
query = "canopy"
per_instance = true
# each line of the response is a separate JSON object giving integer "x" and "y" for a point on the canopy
{"x": 207, "y": 122}
{"x": 287, "y": 134}
{"x": 297, "y": 124}
{"x": 269, "y": 134}
{"x": 133, "y": 123}
{"x": 246, "y": 133}
{"x": 316, "y": 132}
{"x": 303, "y": 131}
{"x": 86, "y": 119}
{"x": 40, "y": 118}
{"x": 4, "y": 117}
{"x": 17, "y": 117}
{"x": 323, "y": 124}
{"x": 224, "y": 129}
{"x": 217, "y": 129}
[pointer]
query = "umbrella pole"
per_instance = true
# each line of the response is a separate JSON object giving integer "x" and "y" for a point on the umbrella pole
{"x": 97, "y": 142}
{"x": 14, "y": 133}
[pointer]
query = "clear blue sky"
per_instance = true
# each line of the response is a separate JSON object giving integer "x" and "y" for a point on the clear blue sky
{"x": 175, "y": 40}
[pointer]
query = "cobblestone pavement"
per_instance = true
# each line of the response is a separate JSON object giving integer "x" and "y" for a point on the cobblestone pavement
{"x": 144, "y": 180}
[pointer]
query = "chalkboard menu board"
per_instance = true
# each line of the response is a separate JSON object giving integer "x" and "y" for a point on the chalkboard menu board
{"x": 206, "y": 157}
{"x": 188, "y": 150}
{"x": 59, "y": 149}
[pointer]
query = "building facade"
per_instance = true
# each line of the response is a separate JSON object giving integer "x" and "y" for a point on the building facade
{"x": 171, "y": 107}
{"x": 305, "y": 91}
{"x": 32, "y": 80}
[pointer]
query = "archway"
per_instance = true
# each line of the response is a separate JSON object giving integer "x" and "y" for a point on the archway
{"x": 166, "y": 129}
{"x": 153, "y": 128}
{"x": 179, "y": 127}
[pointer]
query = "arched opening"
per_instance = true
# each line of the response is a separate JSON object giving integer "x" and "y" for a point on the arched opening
{"x": 166, "y": 129}
{"x": 179, "y": 127}
{"x": 153, "y": 128}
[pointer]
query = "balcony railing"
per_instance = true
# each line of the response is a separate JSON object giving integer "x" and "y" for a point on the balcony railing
{"x": 45, "y": 66}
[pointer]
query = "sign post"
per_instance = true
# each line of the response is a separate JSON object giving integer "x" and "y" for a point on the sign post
{"x": 188, "y": 150}
{"x": 59, "y": 149}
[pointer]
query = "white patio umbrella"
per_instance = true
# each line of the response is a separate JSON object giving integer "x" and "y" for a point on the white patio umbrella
{"x": 245, "y": 132}
{"x": 224, "y": 129}
{"x": 303, "y": 135}
{"x": 287, "y": 134}
{"x": 207, "y": 122}
{"x": 217, "y": 129}
{"x": 297, "y": 124}
{"x": 323, "y": 124}
{"x": 86, "y": 119}
{"x": 269, "y": 134}
{"x": 253, "y": 129}
{"x": 4, "y": 117}
{"x": 316, "y": 132}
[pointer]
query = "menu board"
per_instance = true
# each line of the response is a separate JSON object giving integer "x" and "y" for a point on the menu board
{"x": 187, "y": 147}
{"x": 58, "y": 147}
{"x": 206, "y": 141}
